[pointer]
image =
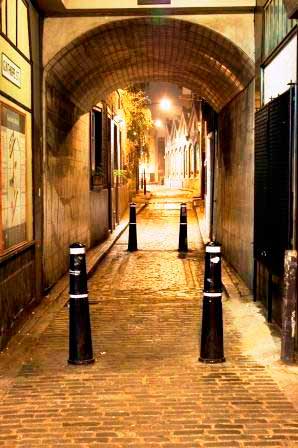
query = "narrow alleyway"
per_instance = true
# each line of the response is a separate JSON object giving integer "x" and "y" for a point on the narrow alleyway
{"x": 147, "y": 388}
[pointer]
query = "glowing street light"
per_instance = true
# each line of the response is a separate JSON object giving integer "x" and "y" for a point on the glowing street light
{"x": 165, "y": 104}
{"x": 158, "y": 123}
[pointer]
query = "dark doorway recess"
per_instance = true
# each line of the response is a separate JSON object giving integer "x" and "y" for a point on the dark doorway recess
{"x": 272, "y": 221}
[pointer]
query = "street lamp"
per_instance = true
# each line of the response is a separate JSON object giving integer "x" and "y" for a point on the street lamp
{"x": 165, "y": 104}
{"x": 158, "y": 123}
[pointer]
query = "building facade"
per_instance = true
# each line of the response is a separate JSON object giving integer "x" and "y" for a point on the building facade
{"x": 183, "y": 155}
{"x": 88, "y": 206}
{"x": 20, "y": 162}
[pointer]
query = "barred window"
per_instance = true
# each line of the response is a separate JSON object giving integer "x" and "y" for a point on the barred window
{"x": 277, "y": 25}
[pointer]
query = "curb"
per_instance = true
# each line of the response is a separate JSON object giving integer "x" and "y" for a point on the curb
{"x": 42, "y": 315}
{"x": 227, "y": 286}
{"x": 102, "y": 250}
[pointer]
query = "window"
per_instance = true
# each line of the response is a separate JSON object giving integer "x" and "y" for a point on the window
{"x": 14, "y": 205}
{"x": 280, "y": 71}
{"x": 14, "y": 24}
{"x": 96, "y": 148}
{"x": 277, "y": 25}
{"x": 23, "y": 32}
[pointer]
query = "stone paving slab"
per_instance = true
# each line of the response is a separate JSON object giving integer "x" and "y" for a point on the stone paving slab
{"x": 147, "y": 388}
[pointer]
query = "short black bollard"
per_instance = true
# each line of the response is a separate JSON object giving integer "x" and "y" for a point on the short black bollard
{"x": 132, "y": 235}
{"x": 183, "y": 247}
{"x": 80, "y": 342}
{"x": 212, "y": 350}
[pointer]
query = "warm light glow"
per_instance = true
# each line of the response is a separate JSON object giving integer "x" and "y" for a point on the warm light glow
{"x": 165, "y": 104}
{"x": 118, "y": 119}
{"x": 158, "y": 123}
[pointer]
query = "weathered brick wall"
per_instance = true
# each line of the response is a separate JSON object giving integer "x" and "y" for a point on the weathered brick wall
{"x": 235, "y": 183}
{"x": 66, "y": 188}
{"x": 73, "y": 212}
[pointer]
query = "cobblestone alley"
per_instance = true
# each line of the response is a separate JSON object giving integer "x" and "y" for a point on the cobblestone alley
{"x": 146, "y": 388}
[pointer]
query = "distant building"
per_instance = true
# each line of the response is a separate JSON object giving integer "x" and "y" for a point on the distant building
{"x": 184, "y": 159}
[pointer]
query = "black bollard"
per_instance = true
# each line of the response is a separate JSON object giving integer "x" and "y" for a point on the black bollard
{"x": 145, "y": 186}
{"x": 212, "y": 350}
{"x": 132, "y": 236}
{"x": 183, "y": 247}
{"x": 80, "y": 342}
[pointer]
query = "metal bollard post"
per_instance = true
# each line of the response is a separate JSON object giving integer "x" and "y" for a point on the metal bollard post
{"x": 132, "y": 236}
{"x": 183, "y": 247}
{"x": 80, "y": 342}
{"x": 212, "y": 350}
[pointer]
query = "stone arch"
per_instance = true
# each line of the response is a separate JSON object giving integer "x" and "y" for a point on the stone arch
{"x": 120, "y": 53}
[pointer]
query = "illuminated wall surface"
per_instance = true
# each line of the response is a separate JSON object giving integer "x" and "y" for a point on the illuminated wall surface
{"x": 281, "y": 71}
{"x": 15, "y": 120}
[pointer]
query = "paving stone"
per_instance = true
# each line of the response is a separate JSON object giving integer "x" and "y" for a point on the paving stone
{"x": 146, "y": 388}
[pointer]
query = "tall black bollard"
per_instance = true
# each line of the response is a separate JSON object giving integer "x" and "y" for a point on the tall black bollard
{"x": 212, "y": 350}
{"x": 132, "y": 236}
{"x": 80, "y": 342}
{"x": 145, "y": 186}
{"x": 183, "y": 247}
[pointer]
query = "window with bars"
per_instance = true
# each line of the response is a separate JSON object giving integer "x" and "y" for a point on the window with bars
{"x": 277, "y": 25}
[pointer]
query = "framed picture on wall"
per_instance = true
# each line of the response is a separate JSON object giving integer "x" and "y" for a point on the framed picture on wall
{"x": 13, "y": 197}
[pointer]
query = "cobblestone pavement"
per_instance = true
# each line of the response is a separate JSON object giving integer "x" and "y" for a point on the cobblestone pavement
{"x": 147, "y": 388}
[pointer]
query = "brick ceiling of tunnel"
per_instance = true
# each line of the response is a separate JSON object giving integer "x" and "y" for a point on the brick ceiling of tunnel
{"x": 149, "y": 49}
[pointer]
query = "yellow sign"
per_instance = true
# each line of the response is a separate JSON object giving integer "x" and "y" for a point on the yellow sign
{"x": 10, "y": 70}
{"x": 15, "y": 74}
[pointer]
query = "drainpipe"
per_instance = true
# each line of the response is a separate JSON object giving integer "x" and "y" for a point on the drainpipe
{"x": 212, "y": 201}
{"x": 294, "y": 165}
{"x": 294, "y": 180}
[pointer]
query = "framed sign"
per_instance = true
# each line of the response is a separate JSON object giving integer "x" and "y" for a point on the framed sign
{"x": 10, "y": 71}
{"x": 13, "y": 201}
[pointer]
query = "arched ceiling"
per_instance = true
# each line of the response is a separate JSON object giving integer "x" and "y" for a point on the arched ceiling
{"x": 134, "y": 50}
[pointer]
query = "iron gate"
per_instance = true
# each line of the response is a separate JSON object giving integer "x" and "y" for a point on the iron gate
{"x": 272, "y": 218}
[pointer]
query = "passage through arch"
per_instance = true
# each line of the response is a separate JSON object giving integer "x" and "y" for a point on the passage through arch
{"x": 127, "y": 51}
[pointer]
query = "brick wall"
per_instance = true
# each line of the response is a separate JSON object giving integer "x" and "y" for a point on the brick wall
{"x": 66, "y": 188}
{"x": 73, "y": 212}
{"x": 235, "y": 183}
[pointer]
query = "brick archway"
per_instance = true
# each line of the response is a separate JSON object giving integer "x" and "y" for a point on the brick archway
{"x": 123, "y": 52}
